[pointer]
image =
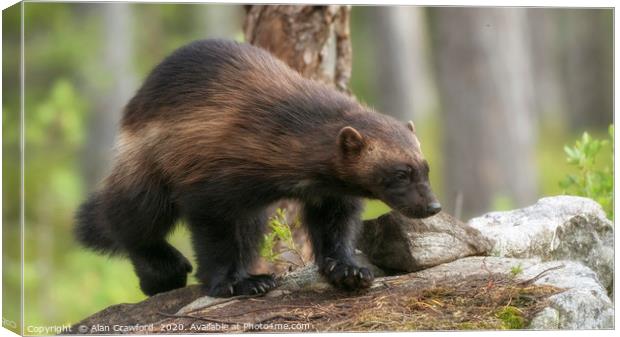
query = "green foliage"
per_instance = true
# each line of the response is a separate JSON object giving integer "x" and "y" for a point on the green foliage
{"x": 511, "y": 317}
{"x": 54, "y": 137}
{"x": 516, "y": 270}
{"x": 280, "y": 239}
{"x": 59, "y": 118}
{"x": 87, "y": 283}
{"x": 591, "y": 179}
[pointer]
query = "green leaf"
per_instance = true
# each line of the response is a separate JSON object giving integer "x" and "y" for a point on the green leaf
{"x": 280, "y": 232}
{"x": 591, "y": 180}
{"x": 586, "y": 137}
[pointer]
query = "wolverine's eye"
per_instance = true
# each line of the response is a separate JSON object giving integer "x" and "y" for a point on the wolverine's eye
{"x": 403, "y": 175}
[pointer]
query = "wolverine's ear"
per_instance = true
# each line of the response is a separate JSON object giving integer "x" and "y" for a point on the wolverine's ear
{"x": 350, "y": 140}
{"x": 410, "y": 126}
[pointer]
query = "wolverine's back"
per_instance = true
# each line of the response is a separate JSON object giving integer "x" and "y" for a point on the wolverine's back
{"x": 217, "y": 104}
{"x": 207, "y": 73}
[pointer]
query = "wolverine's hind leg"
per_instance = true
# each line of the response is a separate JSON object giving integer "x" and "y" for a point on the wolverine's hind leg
{"x": 226, "y": 246}
{"x": 140, "y": 221}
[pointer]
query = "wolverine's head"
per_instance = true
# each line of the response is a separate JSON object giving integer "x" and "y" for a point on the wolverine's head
{"x": 383, "y": 157}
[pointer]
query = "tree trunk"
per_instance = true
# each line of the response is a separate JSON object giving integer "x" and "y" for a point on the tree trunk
{"x": 485, "y": 86}
{"x": 314, "y": 40}
{"x": 546, "y": 54}
{"x": 405, "y": 88}
{"x": 588, "y": 59}
{"x": 110, "y": 96}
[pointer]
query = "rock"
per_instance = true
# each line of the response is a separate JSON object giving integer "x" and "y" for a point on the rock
{"x": 136, "y": 315}
{"x": 203, "y": 302}
{"x": 474, "y": 266}
{"x": 584, "y": 304}
{"x": 547, "y": 319}
{"x": 396, "y": 243}
{"x": 581, "y": 303}
{"x": 555, "y": 228}
{"x": 303, "y": 279}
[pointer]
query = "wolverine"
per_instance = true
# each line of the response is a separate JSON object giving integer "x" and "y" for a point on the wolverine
{"x": 219, "y": 131}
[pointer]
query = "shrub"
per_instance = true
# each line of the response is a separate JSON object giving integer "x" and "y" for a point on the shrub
{"x": 280, "y": 239}
{"x": 592, "y": 179}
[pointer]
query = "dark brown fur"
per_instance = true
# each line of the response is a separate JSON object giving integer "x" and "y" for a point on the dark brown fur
{"x": 218, "y": 131}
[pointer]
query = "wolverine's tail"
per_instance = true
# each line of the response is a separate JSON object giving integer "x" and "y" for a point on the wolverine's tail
{"x": 92, "y": 228}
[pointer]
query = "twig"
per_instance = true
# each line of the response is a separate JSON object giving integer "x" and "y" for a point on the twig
{"x": 541, "y": 274}
{"x": 484, "y": 266}
{"x": 278, "y": 260}
{"x": 297, "y": 252}
{"x": 225, "y": 300}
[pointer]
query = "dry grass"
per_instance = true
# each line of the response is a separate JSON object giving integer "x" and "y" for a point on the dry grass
{"x": 490, "y": 302}
{"x": 471, "y": 304}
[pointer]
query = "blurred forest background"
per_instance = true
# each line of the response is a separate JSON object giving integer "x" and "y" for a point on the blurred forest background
{"x": 495, "y": 95}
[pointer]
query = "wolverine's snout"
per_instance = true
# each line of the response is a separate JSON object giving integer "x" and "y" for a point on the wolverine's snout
{"x": 419, "y": 203}
{"x": 433, "y": 208}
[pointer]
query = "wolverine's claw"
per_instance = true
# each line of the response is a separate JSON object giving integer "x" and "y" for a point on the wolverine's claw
{"x": 332, "y": 264}
{"x": 346, "y": 275}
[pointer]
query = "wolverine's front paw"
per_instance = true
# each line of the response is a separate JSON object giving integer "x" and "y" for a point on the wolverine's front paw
{"x": 251, "y": 285}
{"x": 346, "y": 276}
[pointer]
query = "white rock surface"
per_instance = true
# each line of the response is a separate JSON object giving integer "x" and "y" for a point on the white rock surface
{"x": 584, "y": 304}
{"x": 555, "y": 228}
{"x": 546, "y": 319}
